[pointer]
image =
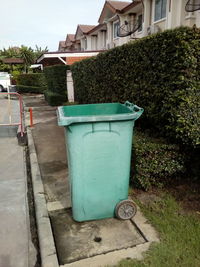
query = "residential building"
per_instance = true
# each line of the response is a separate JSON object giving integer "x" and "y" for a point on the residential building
{"x": 119, "y": 18}
{"x": 116, "y": 14}
{"x": 86, "y": 41}
{"x": 98, "y": 37}
{"x": 61, "y": 46}
{"x": 160, "y": 15}
{"x": 72, "y": 44}
{"x": 152, "y": 15}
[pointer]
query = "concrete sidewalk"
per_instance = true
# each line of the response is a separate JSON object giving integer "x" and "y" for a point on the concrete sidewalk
{"x": 16, "y": 248}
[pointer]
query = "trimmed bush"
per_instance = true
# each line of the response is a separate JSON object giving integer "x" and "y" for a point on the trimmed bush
{"x": 57, "y": 84}
{"x": 155, "y": 162}
{"x": 160, "y": 73}
{"x": 33, "y": 79}
{"x": 54, "y": 99}
{"x": 56, "y": 78}
{"x": 30, "y": 89}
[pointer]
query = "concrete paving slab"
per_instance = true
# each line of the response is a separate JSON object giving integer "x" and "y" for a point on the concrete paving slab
{"x": 10, "y": 131}
{"x": 16, "y": 248}
{"x": 50, "y": 147}
{"x": 9, "y": 108}
{"x": 75, "y": 241}
{"x": 9, "y": 113}
{"x": 34, "y": 100}
{"x": 54, "y": 179}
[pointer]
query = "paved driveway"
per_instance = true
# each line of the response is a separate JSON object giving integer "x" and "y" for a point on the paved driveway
{"x": 16, "y": 248}
{"x": 9, "y": 108}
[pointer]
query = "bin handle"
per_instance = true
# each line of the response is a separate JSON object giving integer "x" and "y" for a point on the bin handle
{"x": 138, "y": 111}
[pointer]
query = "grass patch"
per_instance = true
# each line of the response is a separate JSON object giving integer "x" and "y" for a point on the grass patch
{"x": 179, "y": 235}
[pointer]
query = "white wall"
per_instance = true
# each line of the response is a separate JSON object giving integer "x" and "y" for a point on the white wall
{"x": 101, "y": 40}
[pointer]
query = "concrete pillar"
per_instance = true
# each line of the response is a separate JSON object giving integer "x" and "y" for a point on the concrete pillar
{"x": 89, "y": 42}
{"x": 82, "y": 44}
{"x": 110, "y": 35}
{"x": 147, "y": 16}
{"x": 94, "y": 42}
{"x": 70, "y": 86}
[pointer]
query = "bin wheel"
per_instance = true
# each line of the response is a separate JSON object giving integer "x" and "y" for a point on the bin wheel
{"x": 125, "y": 210}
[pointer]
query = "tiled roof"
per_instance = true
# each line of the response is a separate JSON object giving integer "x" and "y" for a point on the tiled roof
{"x": 62, "y": 44}
{"x": 118, "y": 5}
{"x": 71, "y": 37}
{"x": 114, "y": 6}
{"x": 98, "y": 27}
{"x": 86, "y": 28}
{"x": 131, "y": 5}
{"x": 13, "y": 61}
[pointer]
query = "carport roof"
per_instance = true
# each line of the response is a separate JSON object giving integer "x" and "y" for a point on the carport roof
{"x": 52, "y": 58}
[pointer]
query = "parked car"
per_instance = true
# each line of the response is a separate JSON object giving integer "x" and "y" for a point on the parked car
{"x": 5, "y": 81}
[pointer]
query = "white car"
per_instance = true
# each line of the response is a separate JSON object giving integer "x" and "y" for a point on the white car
{"x": 5, "y": 81}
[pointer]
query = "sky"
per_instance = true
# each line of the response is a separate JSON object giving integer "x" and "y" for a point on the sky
{"x": 44, "y": 22}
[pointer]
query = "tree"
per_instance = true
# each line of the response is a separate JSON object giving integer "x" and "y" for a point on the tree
{"x": 27, "y": 54}
{"x": 39, "y": 51}
{"x": 10, "y": 52}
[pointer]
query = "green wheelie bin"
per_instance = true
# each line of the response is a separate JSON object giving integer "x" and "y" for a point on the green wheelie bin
{"x": 98, "y": 143}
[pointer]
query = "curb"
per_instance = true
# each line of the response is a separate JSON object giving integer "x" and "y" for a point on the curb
{"x": 45, "y": 235}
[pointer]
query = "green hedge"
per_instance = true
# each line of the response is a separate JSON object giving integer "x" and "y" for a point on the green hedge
{"x": 56, "y": 83}
{"x": 33, "y": 79}
{"x": 160, "y": 73}
{"x": 56, "y": 78}
{"x": 155, "y": 162}
{"x": 30, "y": 89}
{"x": 54, "y": 99}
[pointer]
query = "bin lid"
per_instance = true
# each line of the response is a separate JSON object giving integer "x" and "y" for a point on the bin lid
{"x": 98, "y": 112}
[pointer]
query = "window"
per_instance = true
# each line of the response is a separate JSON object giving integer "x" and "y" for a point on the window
{"x": 140, "y": 20}
{"x": 160, "y": 9}
{"x": 115, "y": 29}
